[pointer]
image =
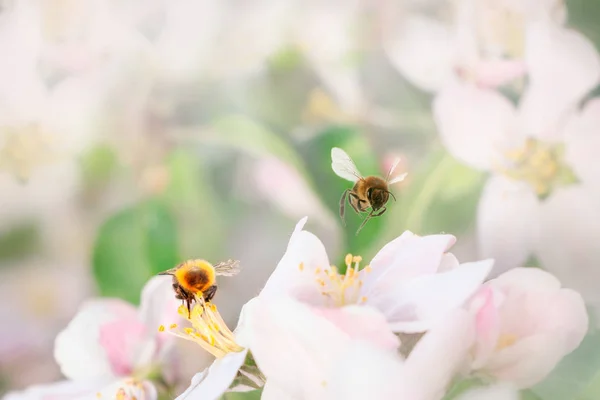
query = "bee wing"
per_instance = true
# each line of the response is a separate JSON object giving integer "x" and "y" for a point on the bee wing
{"x": 392, "y": 168}
{"x": 227, "y": 268}
{"x": 397, "y": 179}
{"x": 343, "y": 166}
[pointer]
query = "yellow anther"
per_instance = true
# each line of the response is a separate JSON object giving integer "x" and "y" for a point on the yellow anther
{"x": 161, "y": 328}
{"x": 173, "y": 326}
{"x": 317, "y": 270}
{"x": 98, "y": 395}
{"x": 363, "y": 299}
{"x": 368, "y": 268}
{"x": 301, "y": 266}
{"x": 348, "y": 259}
{"x": 356, "y": 259}
{"x": 189, "y": 331}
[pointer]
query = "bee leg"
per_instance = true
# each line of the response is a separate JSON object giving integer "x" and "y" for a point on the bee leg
{"x": 210, "y": 293}
{"x": 364, "y": 222}
{"x": 382, "y": 210}
{"x": 187, "y": 300}
{"x": 357, "y": 207}
{"x": 343, "y": 205}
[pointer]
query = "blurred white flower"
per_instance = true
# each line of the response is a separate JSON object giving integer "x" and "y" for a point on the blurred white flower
{"x": 111, "y": 347}
{"x": 485, "y": 42}
{"x": 305, "y": 355}
{"x": 526, "y": 323}
{"x": 125, "y": 389}
{"x": 412, "y": 280}
{"x": 542, "y": 157}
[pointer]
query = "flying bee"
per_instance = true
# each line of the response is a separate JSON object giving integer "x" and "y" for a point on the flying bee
{"x": 197, "y": 278}
{"x": 367, "y": 192}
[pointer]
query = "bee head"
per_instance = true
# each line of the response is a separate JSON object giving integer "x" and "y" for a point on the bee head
{"x": 377, "y": 197}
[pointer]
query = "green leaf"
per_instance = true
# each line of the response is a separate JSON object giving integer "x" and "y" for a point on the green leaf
{"x": 443, "y": 196}
{"x": 529, "y": 395}
{"x": 329, "y": 186}
{"x": 98, "y": 164}
{"x": 191, "y": 200}
{"x": 251, "y": 395}
{"x": 131, "y": 247}
{"x": 577, "y": 376}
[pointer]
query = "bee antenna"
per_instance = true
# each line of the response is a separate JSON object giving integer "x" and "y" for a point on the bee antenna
{"x": 165, "y": 273}
{"x": 391, "y": 194}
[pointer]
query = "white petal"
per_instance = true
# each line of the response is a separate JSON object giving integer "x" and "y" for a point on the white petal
{"x": 569, "y": 235}
{"x": 422, "y": 50}
{"x": 292, "y": 345}
{"x": 64, "y": 390}
{"x": 582, "y": 139}
{"x": 380, "y": 375}
{"x": 507, "y": 223}
{"x": 78, "y": 350}
{"x": 553, "y": 51}
{"x": 212, "y": 383}
{"x": 451, "y": 336}
{"x": 158, "y": 305}
{"x": 475, "y": 124}
{"x": 405, "y": 258}
{"x": 294, "y": 275}
{"x": 424, "y": 301}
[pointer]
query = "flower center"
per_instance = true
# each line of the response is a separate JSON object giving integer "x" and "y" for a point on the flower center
{"x": 23, "y": 149}
{"x": 208, "y": 329}
{"x": 501, "y": 31}
{"x": 541, "y": 165}
{"x": 505, "y": 340}
{"x": 342, "y": 289}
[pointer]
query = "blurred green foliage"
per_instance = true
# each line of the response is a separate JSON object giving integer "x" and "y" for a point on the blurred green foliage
{"x": 132, "y": 246}
{"x": 20, "y": 241}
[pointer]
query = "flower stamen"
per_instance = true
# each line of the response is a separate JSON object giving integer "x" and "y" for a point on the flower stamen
{"x": 208, "y": 329}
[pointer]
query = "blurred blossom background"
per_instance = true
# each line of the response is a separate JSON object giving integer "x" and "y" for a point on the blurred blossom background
{"x": 135, "y": 134}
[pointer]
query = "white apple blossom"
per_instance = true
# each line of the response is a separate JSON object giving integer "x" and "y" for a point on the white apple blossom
{"x": 304, "y": 354}
{"x": 111, "y": 348}
{"x": 483, "y": 42}
{"x": 413, "y": 281}
{"x": 526, "y": 323}
{"x": 542, "y": 159}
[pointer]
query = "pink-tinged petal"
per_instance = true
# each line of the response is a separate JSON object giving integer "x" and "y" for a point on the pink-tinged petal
{"x": 292, "y": 345}
{"x": 422, "y": 50}
{"x": 582, "y": 139}
{"x": 295, "y": 273}
{"x": 213, "y": 382}
{"x": 78, "y": 348}
{"x": 452, "y": 336}
{"x": 487, "y": 324}
{"x": 119, "y": 338}
{"x": 563, "y": 67}
{"x": 507, "y": 223}
{"x": 526, "y": 279}
{"x": 491, "y": 74}
{"x": 534, "y": 314}
{"x": 65, "y": 390}
{"x": 501, "y": 391}
{"x": 424, "y": 301}
{"x": 404, "y": 258}
{"x": 527, "y": 362}
{"x": 362, "y": 323}
{"x": 569, "y": 234}
{"x": 475, "y": 124}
